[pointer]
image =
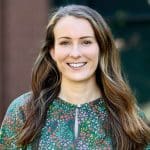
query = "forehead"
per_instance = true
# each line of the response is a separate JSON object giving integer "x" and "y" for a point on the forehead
{"x": 73, "y": 27}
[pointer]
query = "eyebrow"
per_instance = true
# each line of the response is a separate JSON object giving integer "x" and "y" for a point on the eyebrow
{"x": 83, "y": 37}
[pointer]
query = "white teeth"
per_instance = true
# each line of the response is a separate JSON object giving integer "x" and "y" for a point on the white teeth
{"x": 76, "y": 65}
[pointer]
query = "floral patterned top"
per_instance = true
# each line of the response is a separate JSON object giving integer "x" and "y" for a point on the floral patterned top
{"x": 67, "y": 127}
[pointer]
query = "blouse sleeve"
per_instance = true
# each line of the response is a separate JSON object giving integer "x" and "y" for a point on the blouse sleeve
{"x": 12, "y": 123}
{"x": 143, "y": 116}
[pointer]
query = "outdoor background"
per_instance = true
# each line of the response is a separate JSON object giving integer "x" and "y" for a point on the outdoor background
{"x": 22, "y": 29}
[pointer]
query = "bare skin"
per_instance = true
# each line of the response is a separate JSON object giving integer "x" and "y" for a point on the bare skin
{"x": 76, "y": 53}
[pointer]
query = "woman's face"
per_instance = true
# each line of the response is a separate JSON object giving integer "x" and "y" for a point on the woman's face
{"x": 76, "y": 50}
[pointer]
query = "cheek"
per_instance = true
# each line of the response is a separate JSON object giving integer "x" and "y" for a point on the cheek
{"x": 60, "y": 55}
{"x": 93, "y": 53}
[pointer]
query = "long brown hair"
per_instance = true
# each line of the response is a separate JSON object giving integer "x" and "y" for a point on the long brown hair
{"x": 129, "y": 131}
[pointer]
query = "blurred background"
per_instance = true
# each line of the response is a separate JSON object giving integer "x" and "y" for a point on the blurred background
{"x": 22, "y": 29}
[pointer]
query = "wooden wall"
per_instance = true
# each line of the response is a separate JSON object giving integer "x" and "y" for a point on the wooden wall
{"x": 22, "y": 28}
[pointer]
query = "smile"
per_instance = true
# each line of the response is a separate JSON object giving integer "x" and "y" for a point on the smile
{"x": 77, "y": 65}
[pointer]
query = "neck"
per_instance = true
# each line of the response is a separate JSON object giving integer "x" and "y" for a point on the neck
{"x": 79, "y": 92}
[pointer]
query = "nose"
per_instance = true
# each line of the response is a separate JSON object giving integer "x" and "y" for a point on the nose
{"x": 75, "y": 51}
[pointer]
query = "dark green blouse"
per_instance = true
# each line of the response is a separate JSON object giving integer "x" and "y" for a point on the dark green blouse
{"x": 67, "y": 127}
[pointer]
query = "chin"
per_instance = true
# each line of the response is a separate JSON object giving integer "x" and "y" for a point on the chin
{"x": 80, "y": 78}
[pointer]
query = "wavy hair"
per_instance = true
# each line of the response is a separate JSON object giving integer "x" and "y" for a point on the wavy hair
{"x": 129, "y": 131}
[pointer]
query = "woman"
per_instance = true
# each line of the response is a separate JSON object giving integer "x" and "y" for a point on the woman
{"x": 79, "y": 99}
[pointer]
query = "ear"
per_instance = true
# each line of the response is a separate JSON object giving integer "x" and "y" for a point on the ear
{"x": 52, "y": 53}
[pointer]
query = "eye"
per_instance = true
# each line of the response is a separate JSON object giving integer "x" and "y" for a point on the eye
{"x": 87, "y": 42}
{"x": 64, "y": 43}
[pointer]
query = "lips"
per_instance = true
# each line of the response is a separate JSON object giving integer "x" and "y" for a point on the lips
{"x": 77, "y": 64}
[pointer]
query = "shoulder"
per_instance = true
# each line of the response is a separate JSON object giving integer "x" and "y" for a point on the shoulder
{"x": 19, "y": 103}
{"x": 140, "y": 112}
{"x": 14, "y": 120}
{"x": 21, "y": 100}
{"x": 16, "y": 112}
{"x": 17, "y": 108}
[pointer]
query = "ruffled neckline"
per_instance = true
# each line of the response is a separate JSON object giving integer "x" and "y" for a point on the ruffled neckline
{"x": 61, "y": 101}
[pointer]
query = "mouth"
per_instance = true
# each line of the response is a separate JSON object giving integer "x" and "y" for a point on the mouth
{"x": 77, "y": 65}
